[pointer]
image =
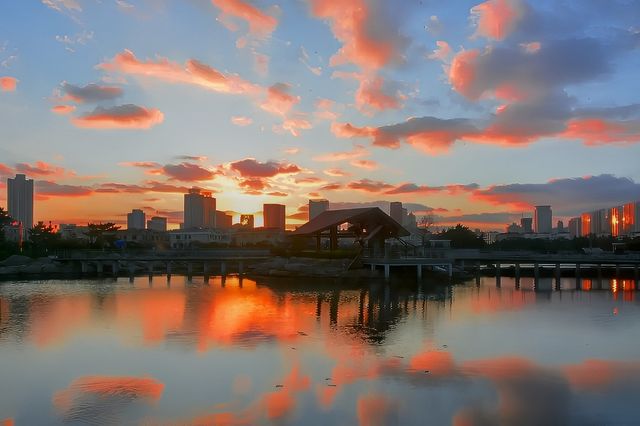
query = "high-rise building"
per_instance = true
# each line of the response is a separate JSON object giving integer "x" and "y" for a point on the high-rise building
{"x": 20, "y": 201}
{"x": 247, "y": 221}
{"x": 575, "y": 227}
{"x": 157, "y": 223}
{"x": 199, "y": 209}
{"x": 223, "y": 220}
{"x": 316, "y": 207}
{"x": 396, "y": 211}
{"x": 274, "y": 216}
{"x": 526, "y": 225}
{"x": 631, "y": 218}
{"x": 136, "y": 219}
{"x": 542, "y": 219}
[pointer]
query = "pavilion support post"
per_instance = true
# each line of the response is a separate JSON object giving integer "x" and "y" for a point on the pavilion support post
{"x": 333, "y": 238}
{"x": 386, "y": 271}
{"x": 419, "y": 271}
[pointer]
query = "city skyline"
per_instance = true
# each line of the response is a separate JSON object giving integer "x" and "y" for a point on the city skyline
{"x": 281, "y": 102}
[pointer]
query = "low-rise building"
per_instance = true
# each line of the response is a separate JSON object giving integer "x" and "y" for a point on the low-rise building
{"x": 193, "y": 238}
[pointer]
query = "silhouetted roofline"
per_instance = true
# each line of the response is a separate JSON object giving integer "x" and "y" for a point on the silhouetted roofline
{"x": 368, "y": 216}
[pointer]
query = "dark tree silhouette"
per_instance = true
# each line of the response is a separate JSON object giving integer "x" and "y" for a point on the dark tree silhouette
{"x": 102, "y": 234}
{"x": 462, "y": 237}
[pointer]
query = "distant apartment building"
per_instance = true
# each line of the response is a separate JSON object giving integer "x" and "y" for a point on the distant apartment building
{"x": 20, "y": 201}
{"x": 136, "y": 219}
{"x": 526, "y": 223}
{"x": 316, "y": 207}
{"x": 199, "y": 210}
{"x": 223, "y": 220}
{"x": 542, "y": 219}
{"x": 396, "y": 211}
{"x": 157, "y": 223}
{"x": 184, "y": 239}
{"x": 274, "y": 216}
{"x": 617, "y": 221}
{"x": 631, "y": 218}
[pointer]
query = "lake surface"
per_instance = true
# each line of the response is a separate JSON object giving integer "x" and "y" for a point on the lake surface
{"x": 237, "y": 352}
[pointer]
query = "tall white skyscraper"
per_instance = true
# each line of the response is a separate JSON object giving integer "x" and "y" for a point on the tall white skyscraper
{"x": 316, "y": 207}
{"x": 20, "y": 201}
{"x": 136, "y": 219}
{"x": 199, "y": 209}
{"x": 542, "y": 219}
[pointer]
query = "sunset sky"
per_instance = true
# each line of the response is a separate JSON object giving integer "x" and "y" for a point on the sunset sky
{"x": 472, "y": 111}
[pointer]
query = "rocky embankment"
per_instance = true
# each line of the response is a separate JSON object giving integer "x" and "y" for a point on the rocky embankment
{"x": 23, "y": 265}
{"x": 305, "y": 267}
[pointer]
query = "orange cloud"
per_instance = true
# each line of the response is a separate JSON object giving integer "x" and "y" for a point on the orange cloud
{"x": 193, "y": 72}
{"x": 496, "y": 19}
{"x": 351, "y": 23}
{"x": 8, "y": 84}
{"x": 63, "y": 109}
{"x": 462, "y": 73}
{"x": 120, "y": 117}
{"x": 596, "y": 131}
{"x": 259, "y": 22}
{"x": 241, "y": 121}
{"x": 336, "y": 172}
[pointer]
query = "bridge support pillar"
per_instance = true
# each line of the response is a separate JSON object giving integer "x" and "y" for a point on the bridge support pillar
{"x": 189, "y": 271}
{"x": 373, "y": 267}
{"x": 84, "y": 267}
{"x": 636, "y": 275}
{"x": 419, "y": 271}
{"x": 578, "y": 283}
{"x": 150, "y": 265}
{"x": 558, "y": 276}
{"x": 386, "y": 271}
{"x": 498, "y": 274}
{"x": 240, "y": 268}
{"x": 617, "y": 270}
{"x": 99, "y": 269}
{"x": 599, "y": 284}
{"x": 169, "y": 268}
{"x": 223, "y": 269}
{"x": 115, "y": 267}
{"x": 131, "y": 267}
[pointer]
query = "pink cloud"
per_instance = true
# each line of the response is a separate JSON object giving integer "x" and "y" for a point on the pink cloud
{"x": 357, "y": 152}
{"x": 462, "y": 73}
{"x": 259, "y": 22}
{"x": 120, "y": 117}
{"x": 336, "y": 172}
{"x": 279, "y": 101}
{"x": 63, "y": 109}
{"x": 252, "y": 168}
{"x": 141, "y": 164}
{"x": 42, "y": 169}
{"x": 365, "y": 164}
{"x": 8, "y": 84}
{"x": 241, "y": 121}
{"x": 368, "y": 38}
{"x": 5, "y": 170}
{"x": 193, "y": 73}
{"x": 442, "y": 52}
{"x": 294, "y": 125}
{"x": 187, "y": 172}
{"x": 368, "y": 185}
{"x": 496, "y": 19}
{"x": 374, "y": 94}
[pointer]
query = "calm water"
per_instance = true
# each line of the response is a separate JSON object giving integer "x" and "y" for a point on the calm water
{"x": 105, "y": 352}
